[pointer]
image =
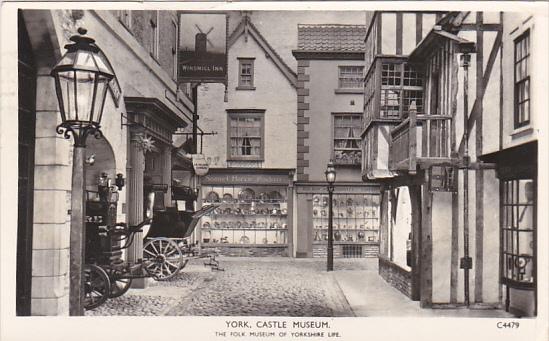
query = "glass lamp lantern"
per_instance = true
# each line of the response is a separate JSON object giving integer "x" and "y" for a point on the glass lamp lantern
{"x": 330, "y": 173}
{"x": 82, "y": 78}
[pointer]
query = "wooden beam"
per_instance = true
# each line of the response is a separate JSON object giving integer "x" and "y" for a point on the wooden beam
{"x": 483, "y": 27}
{"x": 419, "y": 27}
{"x": 379, "y": 37}
{"x": 486, "y": 78}
{"x": 399, "y": 33}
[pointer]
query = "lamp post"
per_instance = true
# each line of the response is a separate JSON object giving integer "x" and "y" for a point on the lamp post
{"x": 81, "y": 78}
{"x": 330, "y": 174}
{"x": 466, "y": 262}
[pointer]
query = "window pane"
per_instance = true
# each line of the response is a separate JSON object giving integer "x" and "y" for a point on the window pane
{"x": 245, "y": 135}
{"x": 347, "y": 146}
{"x": 350, "y": 77}
{"x": 522, "y": 86}
{"x": 390, "y": 74}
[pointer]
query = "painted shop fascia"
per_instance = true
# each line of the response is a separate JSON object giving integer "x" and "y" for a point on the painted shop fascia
{"x": 140, "y": 78}
{"x": 409, "y": 150}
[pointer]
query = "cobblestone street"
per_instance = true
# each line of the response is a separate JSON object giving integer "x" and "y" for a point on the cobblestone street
{"x": 247, "y": 287}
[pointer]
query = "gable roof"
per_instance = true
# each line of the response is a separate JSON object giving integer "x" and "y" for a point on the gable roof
{"x": 246, "y": 26}
{"x": 331, "y": 38}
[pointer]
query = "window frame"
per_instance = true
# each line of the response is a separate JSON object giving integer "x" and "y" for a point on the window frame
{"x": 507, "y": 200}
{"x": 358, "y": 138}
{"x": 401, "y": 89}
{"x": 246, "y": 113}
{"x": 155, "y": 37}
{"x": 517, "y": 122}
{"x": 175, "y": 44}
{"x": 241, "y": 62}
{"x": 359, "y": 78}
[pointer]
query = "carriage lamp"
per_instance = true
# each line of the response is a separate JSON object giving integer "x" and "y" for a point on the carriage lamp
{"x": 120, "y": 182}
{"x": 81, "y": 79}
{"x": 330, "y": 174}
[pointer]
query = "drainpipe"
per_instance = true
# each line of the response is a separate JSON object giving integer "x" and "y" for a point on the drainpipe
{"x": 466, "y": 261}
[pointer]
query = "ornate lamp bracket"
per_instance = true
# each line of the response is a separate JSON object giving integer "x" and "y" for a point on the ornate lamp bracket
{"x": 78, "y": 132}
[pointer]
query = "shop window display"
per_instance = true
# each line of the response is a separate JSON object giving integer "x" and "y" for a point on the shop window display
{"x": 519, "y": 232}
{"x": 245, "y": 216}
{"x": 355, "y": 221}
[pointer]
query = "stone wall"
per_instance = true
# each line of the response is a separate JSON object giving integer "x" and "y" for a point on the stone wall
{"x": 396, "y": 276}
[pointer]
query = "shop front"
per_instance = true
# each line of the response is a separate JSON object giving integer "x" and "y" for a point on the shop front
{"x": 355, "y": 220}
{"x": 253, "y": 216}
{"x": 517, "y": 173}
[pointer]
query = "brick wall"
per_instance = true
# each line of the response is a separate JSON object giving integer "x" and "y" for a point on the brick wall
{"x": 368, "y": 250}
{"x": 396, "y": 276}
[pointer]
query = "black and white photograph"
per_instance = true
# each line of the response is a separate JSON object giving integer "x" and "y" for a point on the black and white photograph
{"x": 292, "y": 171}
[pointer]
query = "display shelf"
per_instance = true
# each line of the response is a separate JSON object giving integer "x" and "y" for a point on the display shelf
{"x": 244, "y": 229}
{"x": 242, "y": 245}
{"x": 355, "y": 222}
{"x": 246, "y": 216}
{"x": 342, "y": 242}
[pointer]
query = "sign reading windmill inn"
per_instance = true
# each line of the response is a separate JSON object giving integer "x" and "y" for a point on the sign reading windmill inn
{"x": 203, "y": 48}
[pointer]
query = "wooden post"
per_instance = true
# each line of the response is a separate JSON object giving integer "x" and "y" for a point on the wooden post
{"x": 415, "y": 198}
{"x": 479, "y": 174}
{"x": 77, "y": 234}
{"x": 426, "y": 289}
{"x": 412, "y": 139}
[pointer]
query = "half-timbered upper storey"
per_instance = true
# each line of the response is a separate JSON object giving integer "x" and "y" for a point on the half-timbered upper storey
{"x": 413, "y": 87}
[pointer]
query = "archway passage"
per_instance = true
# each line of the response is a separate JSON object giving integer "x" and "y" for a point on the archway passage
{"x": 104, "y": 161}
{"x": 26, "y": 141}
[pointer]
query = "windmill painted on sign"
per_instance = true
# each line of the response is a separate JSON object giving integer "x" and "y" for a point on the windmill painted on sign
{"x": 201, "y": 41}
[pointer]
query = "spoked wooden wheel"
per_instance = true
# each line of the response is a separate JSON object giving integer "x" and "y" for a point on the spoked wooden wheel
{"x": 96, "y": 286}
{"x": 119, "y": 285}
{"x": 162, "y": 258}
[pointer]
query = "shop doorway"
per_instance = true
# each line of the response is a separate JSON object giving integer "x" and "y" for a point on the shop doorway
{"x": 26, "y": 141}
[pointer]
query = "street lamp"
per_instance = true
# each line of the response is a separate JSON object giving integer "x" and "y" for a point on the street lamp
{"x": 81, "y": 77}
{"x": 330, "y": 174}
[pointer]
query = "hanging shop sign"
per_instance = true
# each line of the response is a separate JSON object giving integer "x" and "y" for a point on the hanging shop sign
{"x": 442, "y": 179}
{"x": 202, "y": 47}
{"x": 200, "y": 165}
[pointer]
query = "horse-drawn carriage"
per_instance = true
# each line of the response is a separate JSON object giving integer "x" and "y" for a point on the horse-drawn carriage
{"x": 166, "y": 249}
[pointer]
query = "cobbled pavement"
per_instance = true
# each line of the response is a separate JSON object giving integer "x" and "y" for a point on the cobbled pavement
{"x": 248, "y": 287}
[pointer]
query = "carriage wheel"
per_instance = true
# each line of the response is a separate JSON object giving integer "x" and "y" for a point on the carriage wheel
{"x": 96, "y": 286}
{"x": 119, "y": 285}
{"x": 162, "y": 258}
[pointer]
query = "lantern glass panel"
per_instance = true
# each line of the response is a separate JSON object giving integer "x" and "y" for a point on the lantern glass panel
{"x": 65, "y": 80}
{"x": 330, "y": 176}
{"x": 100, "y": 96}
{"x": 85, "y": 82}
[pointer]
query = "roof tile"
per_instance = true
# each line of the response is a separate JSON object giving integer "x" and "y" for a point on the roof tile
{"x": 331, "y": 38}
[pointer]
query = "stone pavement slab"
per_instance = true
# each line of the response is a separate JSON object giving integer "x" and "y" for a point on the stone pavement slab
{"x": 370, "y": 296}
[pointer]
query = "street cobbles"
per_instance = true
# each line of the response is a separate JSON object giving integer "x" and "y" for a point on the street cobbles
{"x": 134, "y": 305}
{"x": 274, "y": 286}
{"x": 267, "y": 287}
